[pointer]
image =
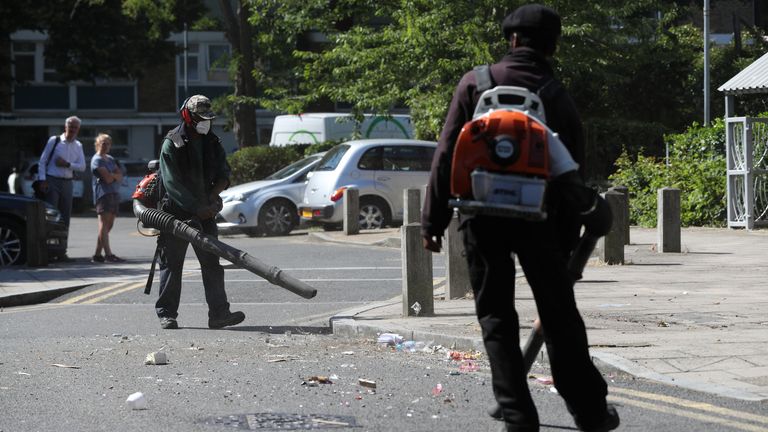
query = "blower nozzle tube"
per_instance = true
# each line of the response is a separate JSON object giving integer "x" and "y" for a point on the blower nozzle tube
{"x": 167, "y": 223}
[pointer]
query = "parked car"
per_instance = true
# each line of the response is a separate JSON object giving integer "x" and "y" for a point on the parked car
{"x": 13, "y": 229}
{"x": 133, "y": 172}
{"x": 381, "y": 169}
{"x": 79, "y": 195}
{"x": 267, "y": 206}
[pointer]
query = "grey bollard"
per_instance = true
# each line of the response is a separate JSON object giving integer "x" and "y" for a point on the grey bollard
{"x": 668, "y": 220}
{"x": 37, "y": 249}
{"x": 418, "y": 296}
{"x": 456, "y": 268}
{"x": 351, "y": 209}
{"x": 411, "y": 206}
{"x": 624, "y": 190}
{"x": 612, "y": 245}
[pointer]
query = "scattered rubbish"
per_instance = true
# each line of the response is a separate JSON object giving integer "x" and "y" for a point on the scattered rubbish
{"x": 663, "y": 323}
{"x": 282, "y": 358}
{"x": 24, "y": 373}
{"x": 460, "y": 355}
{"x": 117, "y": 335}
{"x": 313, "y": 381}
{"x": 367, "y": 383}
{"x": 542, "y": 379}
{"x": 65, "y": 366}
{"x": 348, "y": 353}
{"x": 468, "y": 366}
{"x": 390, "y": 339}
{"x": 416, "y": 308}
{"x": 437, "y": 390}
{"x": 453, "y": 373}
{"x": 334, "y": 377}
{"x": 410, "y": 346}
{"x": 137, "y": 401}
{"x": 156, "y": 358}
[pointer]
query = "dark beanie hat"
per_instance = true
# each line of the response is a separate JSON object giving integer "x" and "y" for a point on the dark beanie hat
{"x": 533, "y": 18}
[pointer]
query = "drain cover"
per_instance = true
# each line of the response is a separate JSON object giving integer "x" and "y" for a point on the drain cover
{"x": 282, "y": 421}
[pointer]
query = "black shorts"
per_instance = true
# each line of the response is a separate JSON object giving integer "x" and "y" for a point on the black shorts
{"x": 109, "y": 203}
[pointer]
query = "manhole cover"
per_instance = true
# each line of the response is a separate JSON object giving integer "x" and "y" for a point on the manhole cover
{"x": 281, "y": 421}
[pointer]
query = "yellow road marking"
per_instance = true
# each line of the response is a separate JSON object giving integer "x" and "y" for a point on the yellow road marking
{"x": 76, "y": 299}
{"x": 688, "y": 414}
{"x": 30, "y": 308}
{"x": 692, "y": 404}
{"x": 114, "y": 293}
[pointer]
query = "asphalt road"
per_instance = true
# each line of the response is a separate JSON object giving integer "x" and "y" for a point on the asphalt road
{"x": 71, "y": 363}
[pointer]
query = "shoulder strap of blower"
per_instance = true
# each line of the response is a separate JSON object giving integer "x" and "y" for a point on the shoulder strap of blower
{"x": 548, "y": 90}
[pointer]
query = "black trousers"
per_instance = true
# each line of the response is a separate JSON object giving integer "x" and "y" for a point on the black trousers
{"x": 489, "y": 243}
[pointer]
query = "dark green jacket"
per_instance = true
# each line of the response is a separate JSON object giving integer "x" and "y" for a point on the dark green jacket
{"x": 190, "y": 167}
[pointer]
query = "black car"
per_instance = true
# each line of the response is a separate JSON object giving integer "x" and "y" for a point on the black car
{"x": 13, "y": 230}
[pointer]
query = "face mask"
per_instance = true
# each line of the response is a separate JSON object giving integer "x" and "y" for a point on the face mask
{"x": 203, "y": 127}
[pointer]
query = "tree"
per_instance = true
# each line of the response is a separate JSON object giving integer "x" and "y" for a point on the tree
{"x": 242, "y": 103}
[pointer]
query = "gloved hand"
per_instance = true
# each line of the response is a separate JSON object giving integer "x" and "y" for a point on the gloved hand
{"x": 207, "y": 212}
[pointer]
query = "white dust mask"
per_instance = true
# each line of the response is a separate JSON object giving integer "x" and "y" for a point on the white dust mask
{"x": 203, "y": 127}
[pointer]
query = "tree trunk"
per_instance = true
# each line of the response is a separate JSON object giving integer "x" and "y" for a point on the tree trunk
{"x": 239, "y": 35}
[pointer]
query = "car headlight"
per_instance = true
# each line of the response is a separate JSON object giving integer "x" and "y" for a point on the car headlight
{"x": 238, "y": 196}
{"x": 52, "y": 215}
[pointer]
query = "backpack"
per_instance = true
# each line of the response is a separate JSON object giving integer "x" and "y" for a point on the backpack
{"x": 505, "y": 155}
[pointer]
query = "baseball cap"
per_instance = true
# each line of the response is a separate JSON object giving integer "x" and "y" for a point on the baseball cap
{"x": 533, "y": 17}
{"x": 200, "y": 106}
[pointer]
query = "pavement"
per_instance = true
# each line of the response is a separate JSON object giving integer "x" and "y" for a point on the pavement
{"x": 694, "y": 319}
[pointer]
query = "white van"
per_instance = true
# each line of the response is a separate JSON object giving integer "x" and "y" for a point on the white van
{"x": 313, "y": 128}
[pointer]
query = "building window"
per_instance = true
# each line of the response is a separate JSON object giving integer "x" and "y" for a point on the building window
{"x": 193, "y": 73}
{"x": 24, "y": 61}
{"x": 218, "y": 57}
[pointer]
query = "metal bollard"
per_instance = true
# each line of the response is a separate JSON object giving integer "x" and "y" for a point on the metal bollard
{"x": 37, "y": 249}
{"x": 418, "y": 296}
{"x": 668, "y": 220}
{"x": 351, "y": 211}
{"x": 456, "y": 268}
{"x": 624, "y": 190}
{"x": 612, "y": 245}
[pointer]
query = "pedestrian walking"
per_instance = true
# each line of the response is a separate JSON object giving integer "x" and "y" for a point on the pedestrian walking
{"x": 541, "y": 246}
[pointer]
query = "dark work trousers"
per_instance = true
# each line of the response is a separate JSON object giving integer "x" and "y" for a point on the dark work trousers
{"x": 489, "y": 243}
{"x": 172, "y": 253}
{"x": 59, "y": 195}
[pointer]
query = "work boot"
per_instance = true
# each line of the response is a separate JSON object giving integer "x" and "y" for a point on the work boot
{"x": 495, "y": 412}
{"x": 610, "y": 422}
{"x": 226, "y": 320}
{"x": 169, "y": 323}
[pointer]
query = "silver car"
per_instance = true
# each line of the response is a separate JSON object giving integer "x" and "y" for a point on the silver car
{"x": 381, "y": 169}
{"x": 267, "y": 206}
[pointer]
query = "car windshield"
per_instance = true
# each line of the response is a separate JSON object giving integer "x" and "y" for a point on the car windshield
{"x": 331, "y": 160}
{"x": 292, "y": 168}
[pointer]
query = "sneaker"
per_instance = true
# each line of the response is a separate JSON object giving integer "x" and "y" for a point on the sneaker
{"x": 230, "y": 319}
{"x": 610, "y": 421}
{"x": 97, "y": 259}
{"x": 169, "y": 323}
{"x": 113, "y": 259}
{"x": 495, "y": 412}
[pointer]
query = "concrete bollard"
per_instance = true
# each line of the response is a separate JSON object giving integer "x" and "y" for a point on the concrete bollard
{"x": 624, "y": 190}
{"x": 611, "y": 246}
{"x": 668, "y": 220}
{"x": 411, "y": 206}
{"x": 456, "y": 268}
{"x": 351, "y": 211}
{"x": 418, "y": 296}
{"x": 37, "y": 249}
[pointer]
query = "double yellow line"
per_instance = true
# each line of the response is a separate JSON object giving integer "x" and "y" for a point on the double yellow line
{"x": 102, "y": 294}
{"x": 699, "y": 411}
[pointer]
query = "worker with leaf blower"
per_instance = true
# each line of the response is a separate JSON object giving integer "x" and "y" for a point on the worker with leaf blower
{"x": 512, "y": 170}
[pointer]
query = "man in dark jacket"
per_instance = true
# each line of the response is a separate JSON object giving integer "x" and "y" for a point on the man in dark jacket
{"x": 194, "y": 170}
{"x": 541, "y": 247}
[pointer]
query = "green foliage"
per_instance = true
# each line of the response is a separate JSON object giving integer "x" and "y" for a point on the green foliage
{"x": 321, "y": 147}
{"x": 696, "y": 167}
{"x": 607, "y": 138}
{"x": 255, "y": 163}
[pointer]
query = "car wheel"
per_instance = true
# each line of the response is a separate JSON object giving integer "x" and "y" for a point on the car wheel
{"x": 374, "y": 214}
{"x": 277, "y": 217}
{"x": 13, "y": 243}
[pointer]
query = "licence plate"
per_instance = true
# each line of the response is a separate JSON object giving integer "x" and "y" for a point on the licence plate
{"x": 306, "y": 213}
